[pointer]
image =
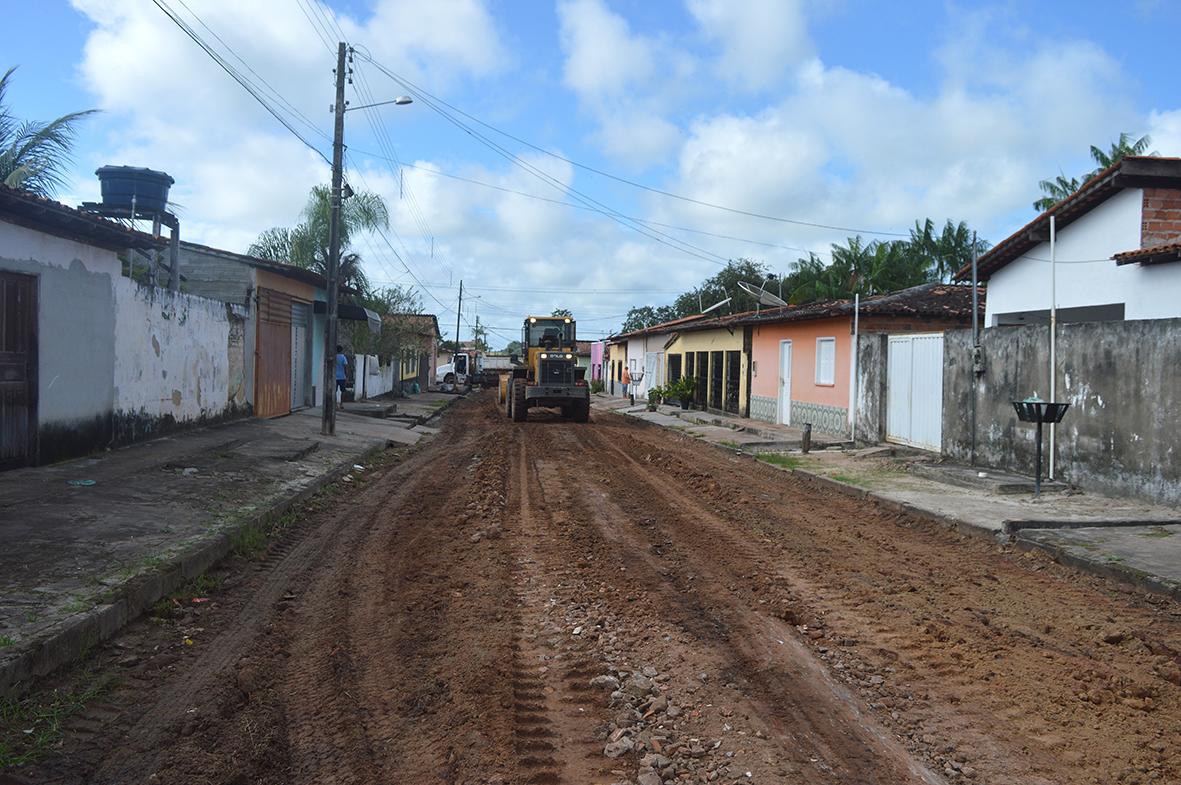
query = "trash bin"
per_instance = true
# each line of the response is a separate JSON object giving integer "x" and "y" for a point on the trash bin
{"x": 1038, "y": 411}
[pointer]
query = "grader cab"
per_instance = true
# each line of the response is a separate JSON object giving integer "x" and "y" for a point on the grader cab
{"x": 548, "y": 376}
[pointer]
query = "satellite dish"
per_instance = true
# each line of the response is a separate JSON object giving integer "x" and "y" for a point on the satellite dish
{"x": 763, "y": 297}
{"x": 718, "y": 304}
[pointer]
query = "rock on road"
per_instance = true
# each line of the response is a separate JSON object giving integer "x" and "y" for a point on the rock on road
{"x": 547, "y": 602}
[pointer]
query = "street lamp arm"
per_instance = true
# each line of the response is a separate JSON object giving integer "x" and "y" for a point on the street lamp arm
{"x": 401, "y": 100}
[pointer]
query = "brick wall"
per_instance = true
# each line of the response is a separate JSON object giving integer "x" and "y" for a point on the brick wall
{"x": 1160, "y": 220}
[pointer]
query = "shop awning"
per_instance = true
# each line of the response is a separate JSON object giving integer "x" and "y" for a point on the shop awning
{"x": 353, "y": 313}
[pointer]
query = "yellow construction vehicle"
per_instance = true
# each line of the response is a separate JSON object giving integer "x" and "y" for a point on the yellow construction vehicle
{"x": 548, "y": 375}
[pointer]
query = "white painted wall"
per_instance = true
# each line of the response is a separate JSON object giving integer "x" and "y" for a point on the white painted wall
{"x": 1152, "y": 292}
{"x": 18, "y": 242}
{"x": 171, "y": 355}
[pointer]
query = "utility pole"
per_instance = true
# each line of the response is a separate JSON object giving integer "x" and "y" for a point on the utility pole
{"x": 458, "y": 308}
{"x": 328, "y": 419}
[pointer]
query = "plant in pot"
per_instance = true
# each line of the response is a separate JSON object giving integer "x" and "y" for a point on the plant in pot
{"x": 682, "y": 389}
{"x": 655, "y": 396}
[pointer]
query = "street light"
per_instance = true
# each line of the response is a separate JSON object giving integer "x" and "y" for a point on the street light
{"x": 328, "y": 416}
{"x": 401, "y": 100}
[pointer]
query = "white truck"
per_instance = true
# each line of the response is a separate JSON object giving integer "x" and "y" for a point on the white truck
{"x": 459, "y": 372}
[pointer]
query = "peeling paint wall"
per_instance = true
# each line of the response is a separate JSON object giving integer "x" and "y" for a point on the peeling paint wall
{"x": 1122, "y": 432}
{"x": 172, "y": 360}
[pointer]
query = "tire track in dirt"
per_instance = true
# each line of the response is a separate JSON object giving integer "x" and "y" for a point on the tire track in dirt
{"x": 1010, "y": 670}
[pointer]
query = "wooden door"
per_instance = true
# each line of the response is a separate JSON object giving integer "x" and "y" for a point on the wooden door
{"x": 272, "y": 377}
{"x": 18, "y": 370}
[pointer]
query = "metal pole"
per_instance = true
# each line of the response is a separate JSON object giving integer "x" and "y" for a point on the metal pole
{"x": 1037, "y": 479}
{"x": 328, "y": 418}
{"x": 975, "y": 346}
{"x": 458, "y": 308}
{"x": 853, "y": 369}
{"x": 1053, "y": 332}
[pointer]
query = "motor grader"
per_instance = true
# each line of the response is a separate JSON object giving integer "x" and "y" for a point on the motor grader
{"x": 548, "y": 375}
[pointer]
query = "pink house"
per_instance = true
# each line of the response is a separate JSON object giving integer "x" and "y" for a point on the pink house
{"x": 801, "y": 355}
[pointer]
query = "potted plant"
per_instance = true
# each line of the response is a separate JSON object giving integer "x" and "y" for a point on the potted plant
{"x": 655, "y": 396}
{"x": 682, "y": 389}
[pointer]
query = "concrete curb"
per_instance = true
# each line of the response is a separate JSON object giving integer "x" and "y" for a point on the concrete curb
{"x": 1013, "y": 526}
{"x": 1110, "y": 570}
{"x": 74, "y": 637}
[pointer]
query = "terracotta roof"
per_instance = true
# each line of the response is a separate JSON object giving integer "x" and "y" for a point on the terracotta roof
{"x": 1129, "y": 172}
{"x": 656, "y": 329}
{"x": 1155, "y": 254}
{"x": 929, "y": 300}
{"x": 45, "y": 215}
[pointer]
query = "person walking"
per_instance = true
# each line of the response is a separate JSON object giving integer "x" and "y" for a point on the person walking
{"x": 342, "y": 364}
{"x": 627, "y": 380}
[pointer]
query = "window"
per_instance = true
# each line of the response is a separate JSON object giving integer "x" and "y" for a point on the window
{"x": 826, "y": 361}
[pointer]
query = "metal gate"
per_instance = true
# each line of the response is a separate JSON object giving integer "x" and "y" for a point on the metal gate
{"x": 272, "y": 377}
{"x": 914, "y": 390}
{"x": 301, "y": 314}
{"x": 18, "y": 370}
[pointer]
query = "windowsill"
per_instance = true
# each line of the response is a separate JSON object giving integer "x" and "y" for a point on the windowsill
{"x": 826, "y": 384}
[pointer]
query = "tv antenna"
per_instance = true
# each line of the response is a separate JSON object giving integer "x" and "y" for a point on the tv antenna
{"x": 718, "y": 304}
{"x": 761, "y": 295}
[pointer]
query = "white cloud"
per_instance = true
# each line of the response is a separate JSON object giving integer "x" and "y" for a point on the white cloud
{"x": 759, "y": 39}
{"x": 1165, "y": 130}
{"x": 603, "y": 56}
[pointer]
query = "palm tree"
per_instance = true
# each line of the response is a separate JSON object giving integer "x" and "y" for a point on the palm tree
{"x": 1124, "y": 146}
{"x": 1061, "y": 187}
{"x": 306, "y": 245}
{"x": 33, "y": 155}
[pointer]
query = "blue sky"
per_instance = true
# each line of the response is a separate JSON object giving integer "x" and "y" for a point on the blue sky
{"x": 851, "y": 113}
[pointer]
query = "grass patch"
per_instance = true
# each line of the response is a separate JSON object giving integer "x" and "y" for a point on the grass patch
{"x": 851, "y": 480}
{"x": 780, "y": 460}
{"x": 32, "y": 727}
{"x": 731, "y": 445}
{"x": 77, "y": 605}
{"x": 248, "y": 541}
{"x": 1157, "y": 531}
{"x": 6, "y": 641}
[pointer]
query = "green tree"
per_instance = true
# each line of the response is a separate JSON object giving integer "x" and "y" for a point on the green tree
{"x": 724, "y": 284}
{"x": 945, "y": 251}
{"x": 1060, "y": 187}
{"x": 306, "y": 244}
{"x": 562, "y": 312}
{"x": 513, "y": 347}
{"x": 34, "y": 156}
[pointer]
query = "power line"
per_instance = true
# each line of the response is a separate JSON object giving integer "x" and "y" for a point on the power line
{"x": 246, "y": 84}
{"x": 615, "y": 215}
{"x": 411, "y": 86}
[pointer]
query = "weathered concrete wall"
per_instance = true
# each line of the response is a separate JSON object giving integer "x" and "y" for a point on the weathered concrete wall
{"x": 1121, "y": 432}
{"x": 172, "y": 360}
{"x": 216, "y": 276}
{"x": 75, "y": 336}
{"x": 870, "y": 408}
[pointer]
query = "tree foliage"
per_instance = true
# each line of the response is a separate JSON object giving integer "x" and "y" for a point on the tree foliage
{"x": 396, "y": 305}
{"x": 307, "y": 243}
{"x": 34, "y": 156}
{"x": 856, "y": 267}
{"x": 562, "y": 312}
{"x": 1054, "y": 191}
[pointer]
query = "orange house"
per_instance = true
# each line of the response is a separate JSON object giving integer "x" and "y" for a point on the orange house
{"x": 802, "y": 355}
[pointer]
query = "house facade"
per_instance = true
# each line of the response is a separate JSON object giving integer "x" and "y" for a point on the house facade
{"x": 714, "y": 352}
{"x": 90, "y": 358}
{"x": 1099, "y": 271}
{"x": 804, "y": 360}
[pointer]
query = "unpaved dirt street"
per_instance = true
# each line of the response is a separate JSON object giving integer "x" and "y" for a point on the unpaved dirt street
{"x": 554, "y": 603}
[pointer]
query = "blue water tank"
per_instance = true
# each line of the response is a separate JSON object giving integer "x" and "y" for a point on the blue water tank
{"x": 120, "y": 183}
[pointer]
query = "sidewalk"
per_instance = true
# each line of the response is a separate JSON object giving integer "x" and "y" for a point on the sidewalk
{"x": 91, "y": 543}
{"x": 1125, "y": 539}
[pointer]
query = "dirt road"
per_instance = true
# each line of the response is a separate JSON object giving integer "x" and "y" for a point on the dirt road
{"x": 557, "y": 603}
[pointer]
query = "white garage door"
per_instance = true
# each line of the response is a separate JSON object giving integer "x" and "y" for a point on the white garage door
{"x": 914, "y": 390}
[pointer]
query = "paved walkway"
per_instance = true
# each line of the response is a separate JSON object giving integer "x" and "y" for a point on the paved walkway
{"x": 89, "y": 543}
{"x": 1127, "y": 539}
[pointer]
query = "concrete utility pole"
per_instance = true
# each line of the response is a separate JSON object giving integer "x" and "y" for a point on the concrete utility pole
{"x": 328, "y": 419}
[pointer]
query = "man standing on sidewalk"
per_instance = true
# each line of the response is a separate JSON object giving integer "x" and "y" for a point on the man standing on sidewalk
{"x": 342, "y": 364}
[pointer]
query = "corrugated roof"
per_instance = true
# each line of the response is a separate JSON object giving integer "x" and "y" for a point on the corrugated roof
{"x": 37, "y": 212}
{"x": 1128, "y": 172}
